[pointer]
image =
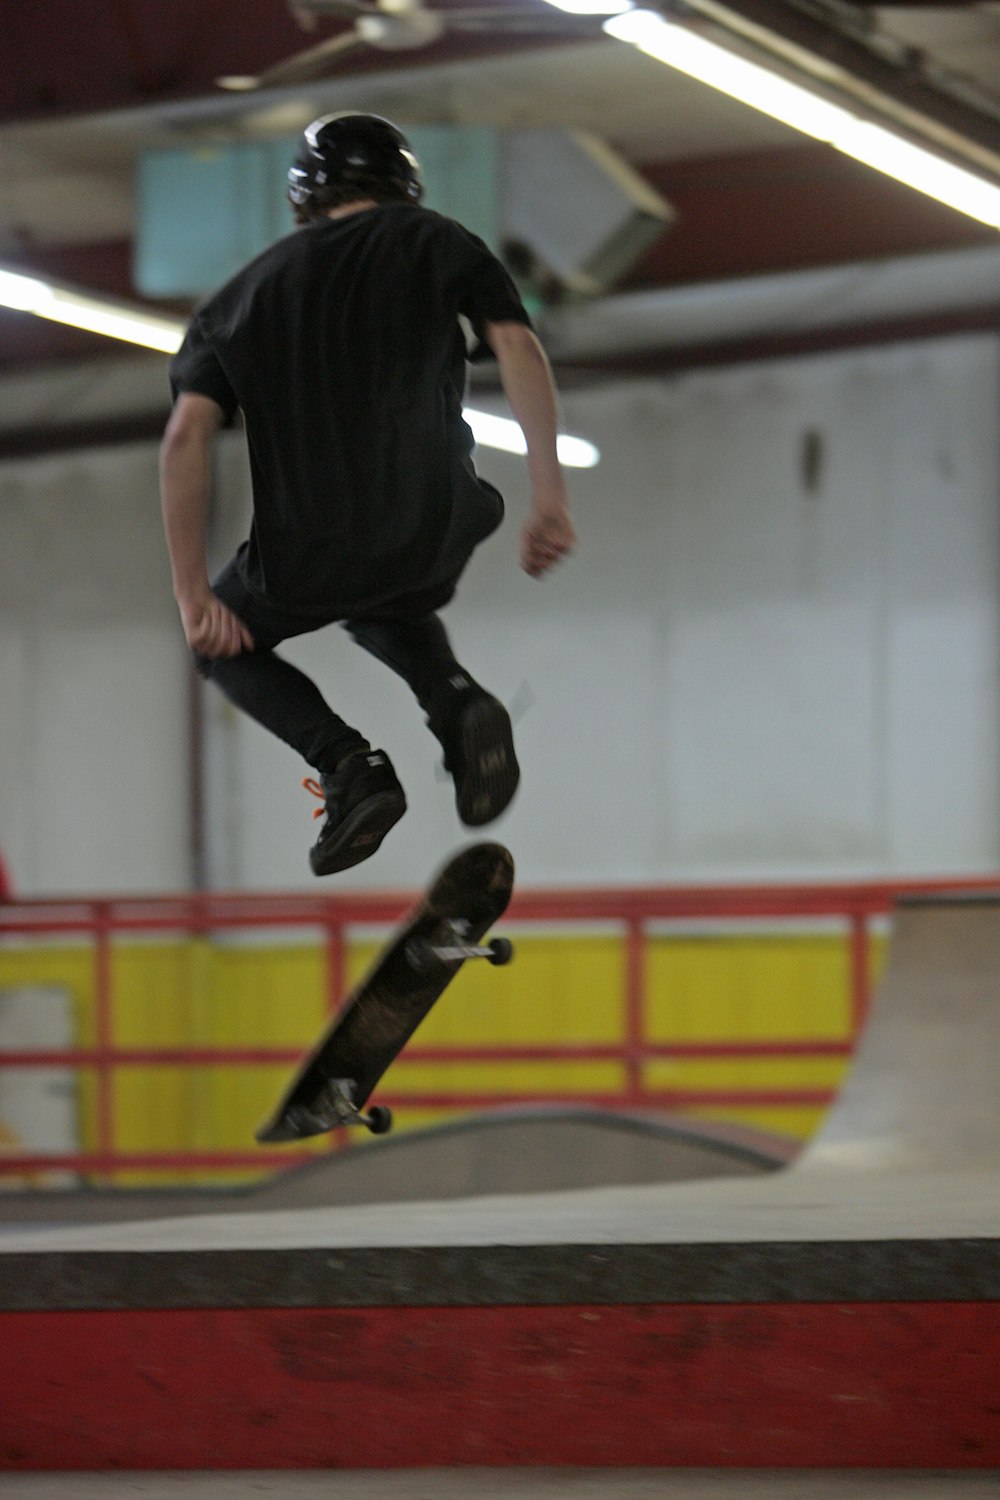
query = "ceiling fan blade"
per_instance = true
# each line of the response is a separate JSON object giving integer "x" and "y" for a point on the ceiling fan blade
{"x": 298, "y": 69}
{"x": 550, "y": 17}
{"x": 525, "y": 26}
{"x": 560, "y": 23}
{"x": 342, "y": 9}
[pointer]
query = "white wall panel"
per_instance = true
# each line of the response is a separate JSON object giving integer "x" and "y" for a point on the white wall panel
{"x": 93, "y": 681}
{"x": 740, "y": 673}
{"x": 770, "y": 631}
{"x": 942, "y": 659}
{"x": 775, "y": 654}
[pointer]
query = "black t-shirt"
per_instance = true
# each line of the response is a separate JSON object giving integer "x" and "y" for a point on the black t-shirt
{"x": 342, "y": 347}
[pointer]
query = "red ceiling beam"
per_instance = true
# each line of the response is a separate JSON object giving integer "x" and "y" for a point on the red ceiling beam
{"x": 66, "y": 58}
{"x": 793, "y": 208}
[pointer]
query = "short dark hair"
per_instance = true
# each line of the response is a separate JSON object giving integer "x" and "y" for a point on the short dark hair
{"x": 321, "y": 200}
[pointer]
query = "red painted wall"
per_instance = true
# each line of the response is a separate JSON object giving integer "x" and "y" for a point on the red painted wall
{"x": 880, "y": 1385}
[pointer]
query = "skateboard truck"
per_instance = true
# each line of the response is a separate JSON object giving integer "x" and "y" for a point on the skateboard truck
{"x": 452, "y": 949}
{"x": 337, "y": 1107}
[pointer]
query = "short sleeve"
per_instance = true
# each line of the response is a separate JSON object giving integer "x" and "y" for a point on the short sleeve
{"x": 195, "y": 368}
{"x": 487, "y": 293}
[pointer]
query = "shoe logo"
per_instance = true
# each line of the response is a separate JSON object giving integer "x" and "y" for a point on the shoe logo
{"x": 375, "y": 760}
{"x": 458, "y": 681}
{"x": 492, "y": 760}
{"x": 363, "y": 839}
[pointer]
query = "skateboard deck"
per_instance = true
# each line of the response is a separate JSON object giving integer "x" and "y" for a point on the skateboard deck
{"x": 336, "y": 1079}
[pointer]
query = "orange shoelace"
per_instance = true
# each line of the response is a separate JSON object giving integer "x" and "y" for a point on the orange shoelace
{"x": 312, "y": 785}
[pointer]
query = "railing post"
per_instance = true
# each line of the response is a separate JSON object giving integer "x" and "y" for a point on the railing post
{"x": 336, "y": 983}
{"x": 336, "y": 960}
{"x": 860, "y": 971}
{"x": 635, "y": 1009}
{"x": 104, "y": 1040}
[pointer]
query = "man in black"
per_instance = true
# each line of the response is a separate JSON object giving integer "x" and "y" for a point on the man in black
{"x": 342, "y": 347}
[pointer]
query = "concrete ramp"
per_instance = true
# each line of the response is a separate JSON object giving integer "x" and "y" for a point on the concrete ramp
{"x": 924, "y": 1091}
{"x": 508, "y": 1151}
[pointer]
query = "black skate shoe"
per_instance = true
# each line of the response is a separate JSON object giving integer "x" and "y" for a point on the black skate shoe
{"x": 479, "y": 754}
{"x": 363, "y": 800}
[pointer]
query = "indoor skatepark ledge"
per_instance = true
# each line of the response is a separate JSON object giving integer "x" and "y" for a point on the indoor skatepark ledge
{"x": 841, "y": 1312}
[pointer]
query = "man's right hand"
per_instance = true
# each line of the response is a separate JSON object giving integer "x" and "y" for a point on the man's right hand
{"x": 211, "y": 629}
{"x": 185, "y": 488}
{"x": 546, "y": 536}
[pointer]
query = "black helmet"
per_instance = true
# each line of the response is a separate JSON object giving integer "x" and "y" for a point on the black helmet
{"x": 342, "y": 150}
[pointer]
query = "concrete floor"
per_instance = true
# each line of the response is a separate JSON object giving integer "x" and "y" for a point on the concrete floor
{"x": 794, "y": 1205}
{"x": 519, "y": 1150}
{"x": 517, "y": 1484}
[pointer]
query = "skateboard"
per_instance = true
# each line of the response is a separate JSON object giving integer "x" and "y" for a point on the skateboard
{"x": 336, "y": 1079}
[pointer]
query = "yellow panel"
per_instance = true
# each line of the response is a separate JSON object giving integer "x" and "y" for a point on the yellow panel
{"x": 794, "y": 1121}
{"x": 199, "y": 994}
{"x": 752, "y": 1073}
{"x": 561, "y": 990}
{"x": 498, "y": 1077}
{"x": 69, "y": 969}
{"x": 749, "y": 987}
{"x": 205, "y": 995}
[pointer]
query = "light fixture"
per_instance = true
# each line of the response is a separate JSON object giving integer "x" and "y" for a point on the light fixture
{"x": 506, "y": 436}
{"x": 792, "y": 104}
{"x": 116, "y": 320}
{"x": 592, "y": 7}
{"x": 133, "y": 325}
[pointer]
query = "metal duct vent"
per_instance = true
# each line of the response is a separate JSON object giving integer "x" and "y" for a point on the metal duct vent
{"x": 572, "y": 211}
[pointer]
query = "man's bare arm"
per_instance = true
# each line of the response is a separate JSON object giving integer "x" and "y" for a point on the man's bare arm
{"x": 530, "y": 389}
{"x": 185, "y": 492}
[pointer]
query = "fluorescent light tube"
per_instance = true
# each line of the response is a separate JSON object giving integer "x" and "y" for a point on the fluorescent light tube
{"x": 592, "y": 7}
{"x": 803, "y": 110}
{"x": 94, "y": 314}
{"x": 133, "y": 325}
{"x": 504, "y": 434}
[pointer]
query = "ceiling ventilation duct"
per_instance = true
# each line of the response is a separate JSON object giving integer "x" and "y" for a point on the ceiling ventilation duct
{"x": 572, "y": 212}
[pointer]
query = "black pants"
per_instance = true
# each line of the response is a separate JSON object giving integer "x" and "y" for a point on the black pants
{"x": 407, "y": 636}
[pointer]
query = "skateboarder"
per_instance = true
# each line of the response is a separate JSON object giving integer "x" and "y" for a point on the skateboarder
{"x": 342, "y": 347}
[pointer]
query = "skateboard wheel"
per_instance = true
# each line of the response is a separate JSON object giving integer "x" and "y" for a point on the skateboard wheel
{"x": 501, "y": 950}
{"x": 379, "y": 1119}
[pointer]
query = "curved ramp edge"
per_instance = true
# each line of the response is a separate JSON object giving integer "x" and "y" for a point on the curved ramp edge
{"x": 508, "y": 1151}
{"x": 923, "y": 1094}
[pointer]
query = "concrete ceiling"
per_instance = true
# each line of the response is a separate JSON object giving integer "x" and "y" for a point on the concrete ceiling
{"x": 82, "y": 96}
{"x": 73, "y": 185}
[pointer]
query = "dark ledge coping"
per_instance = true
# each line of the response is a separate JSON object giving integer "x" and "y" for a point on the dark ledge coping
{"x": 505, "y": 1275}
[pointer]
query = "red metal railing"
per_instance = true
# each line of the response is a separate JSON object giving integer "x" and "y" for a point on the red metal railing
{"x": 633, "y": 910}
